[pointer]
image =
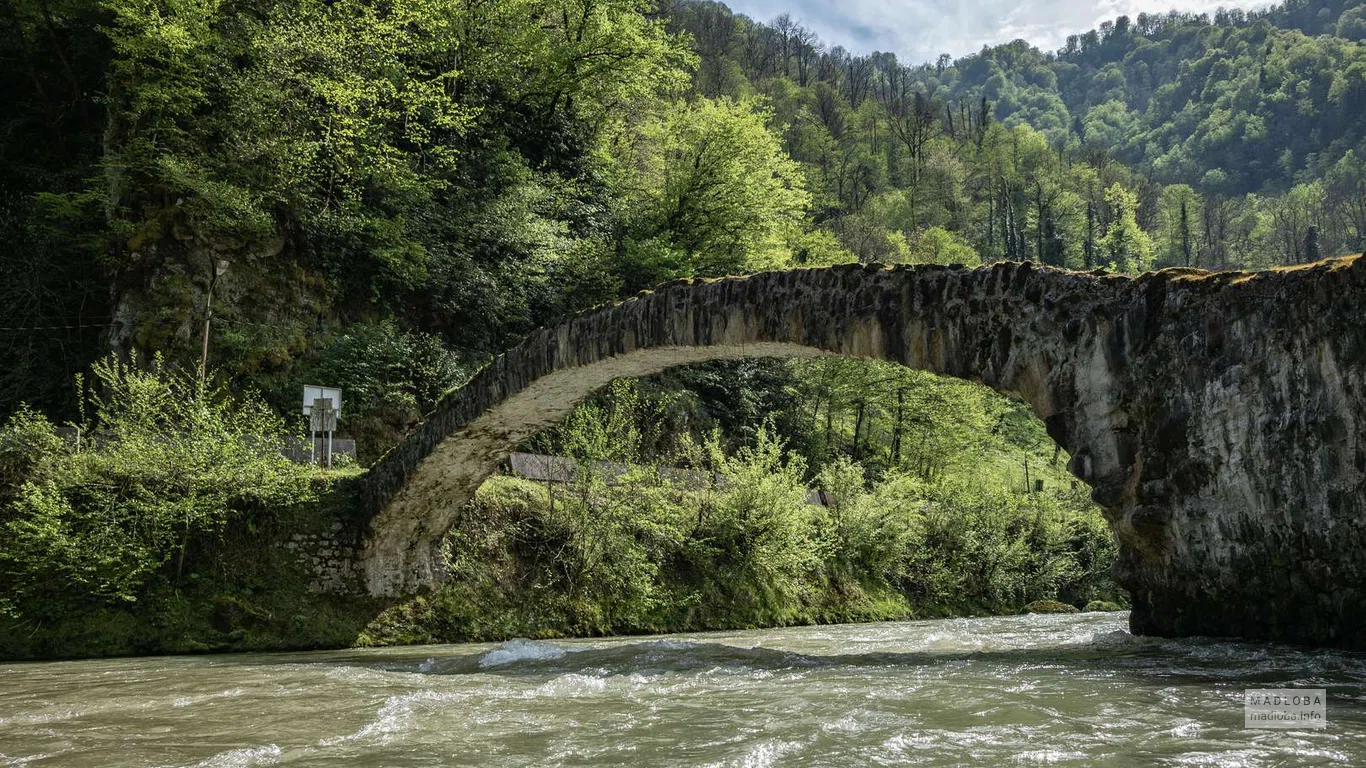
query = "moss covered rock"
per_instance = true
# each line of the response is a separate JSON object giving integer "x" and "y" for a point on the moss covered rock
{"x": 1102, "y": 605}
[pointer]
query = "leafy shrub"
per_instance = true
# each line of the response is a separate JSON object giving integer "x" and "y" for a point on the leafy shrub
{"x": 390, "y": 378}
{"x": 622, "y": 547}
{"x": 165, "y": 459}
{"x": 28, "y": 446}
{"x": 869, "y": 535}
{"x": 759, "y": 533}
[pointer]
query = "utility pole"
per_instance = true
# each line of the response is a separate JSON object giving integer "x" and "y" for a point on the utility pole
{"x": 219, "y": 267}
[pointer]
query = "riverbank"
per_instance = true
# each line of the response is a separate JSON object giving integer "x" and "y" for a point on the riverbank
{"x": 751, "y": 555}
{"x": 640, "y": 557}
{"x": 185, "y": 530}
{"x": 239, "y": 589}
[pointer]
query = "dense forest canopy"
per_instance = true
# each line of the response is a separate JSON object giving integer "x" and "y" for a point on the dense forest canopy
{"x": 401, "y": 189}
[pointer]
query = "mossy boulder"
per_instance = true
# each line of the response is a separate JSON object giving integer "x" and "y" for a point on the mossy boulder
{"x": 1102, "y": 605}
{"x": 1049, "y": 606}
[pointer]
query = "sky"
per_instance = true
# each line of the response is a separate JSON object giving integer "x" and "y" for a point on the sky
{"x": 919, "y": 30}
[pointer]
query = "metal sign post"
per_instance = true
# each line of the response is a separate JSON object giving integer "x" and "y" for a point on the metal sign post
{"x": 323, "y": 406}
{"x": 323, "y": 419}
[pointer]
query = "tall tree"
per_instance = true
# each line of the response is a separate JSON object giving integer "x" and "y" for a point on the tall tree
{"x": 717, "y": 193}
{"x": 1127, "y": 246}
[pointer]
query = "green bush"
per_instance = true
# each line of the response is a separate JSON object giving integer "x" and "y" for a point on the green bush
{"x": 163, "y": 460}
{"x": 870, "y": 535}
{"x": 390, "y": 378}
{"x": 623, "y": 548}
{"x": 28, "y": 445}
{"x": 758, "y": 532}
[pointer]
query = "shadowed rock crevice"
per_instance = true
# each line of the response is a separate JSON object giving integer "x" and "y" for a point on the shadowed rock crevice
{"x": 1218, "y": 417}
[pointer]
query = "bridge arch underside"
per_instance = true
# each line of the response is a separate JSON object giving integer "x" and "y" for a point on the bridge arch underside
{"x": 1218, "y": 418}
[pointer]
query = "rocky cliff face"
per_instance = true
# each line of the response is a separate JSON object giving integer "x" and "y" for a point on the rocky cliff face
{"x": 1218, "y": 417}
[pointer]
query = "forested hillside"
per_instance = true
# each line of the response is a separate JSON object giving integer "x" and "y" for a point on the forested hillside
{"x": 1166, "y": 140}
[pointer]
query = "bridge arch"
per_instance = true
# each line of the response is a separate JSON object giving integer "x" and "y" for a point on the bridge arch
{"x": 1171, "y": 391}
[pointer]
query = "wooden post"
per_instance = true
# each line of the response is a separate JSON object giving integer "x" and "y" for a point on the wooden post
{"x": 219, "y": 267}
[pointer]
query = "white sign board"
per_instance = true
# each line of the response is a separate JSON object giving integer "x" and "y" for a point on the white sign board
{"x": 312, "y": 393}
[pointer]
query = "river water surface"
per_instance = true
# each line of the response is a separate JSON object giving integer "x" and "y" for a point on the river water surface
{"x": 1067, "y": 690}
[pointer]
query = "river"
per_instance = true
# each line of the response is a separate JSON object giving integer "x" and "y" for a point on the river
{"x": 1063, "y": 689}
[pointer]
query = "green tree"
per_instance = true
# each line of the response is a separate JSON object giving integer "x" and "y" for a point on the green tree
{"x": 717, "y": 193}
{"x": 1289, "y": 218}
{"x": 1352, "y": 24}
{"x": 1346, "y": 192}
{"x": 1178, "y": 210}
{"x": 937, "y": 245}
{"x": 1127, "y": 246}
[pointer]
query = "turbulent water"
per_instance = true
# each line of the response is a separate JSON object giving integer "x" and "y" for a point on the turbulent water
{"x": 1072, "y": 689}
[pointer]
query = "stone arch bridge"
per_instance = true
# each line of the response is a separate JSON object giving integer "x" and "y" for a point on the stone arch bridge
{"x": 1220, "y": 418}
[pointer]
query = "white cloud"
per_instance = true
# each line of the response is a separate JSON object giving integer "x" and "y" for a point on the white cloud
{"x": 920, "y": 30}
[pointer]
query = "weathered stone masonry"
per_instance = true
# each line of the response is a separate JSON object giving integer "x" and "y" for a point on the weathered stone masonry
{"x": 1218, "y": 417}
